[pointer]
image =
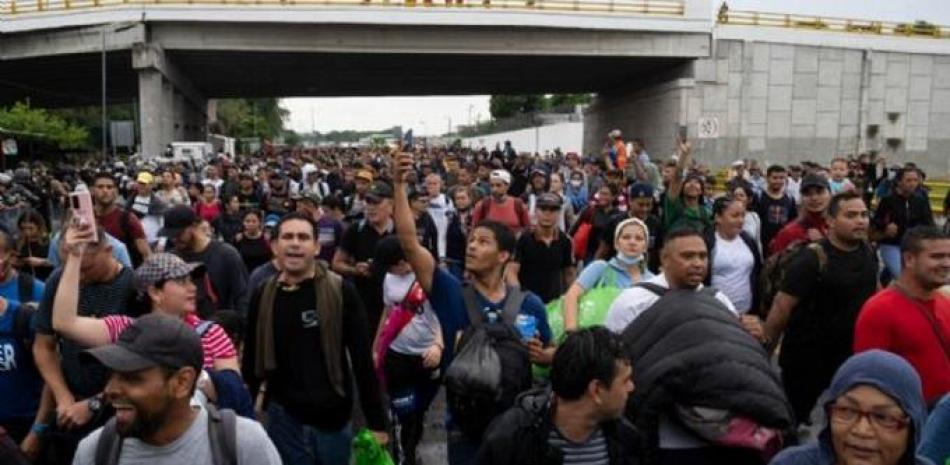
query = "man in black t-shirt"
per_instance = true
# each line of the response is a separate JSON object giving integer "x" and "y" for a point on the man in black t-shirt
{"x": 354, "y": 256}
{"x": 775, "y": 207}
{"x": 76, "y": 384}
{"x": 641, "y": 203}
{"x": 825, "y": 286}
{"x": 544, "y": 258}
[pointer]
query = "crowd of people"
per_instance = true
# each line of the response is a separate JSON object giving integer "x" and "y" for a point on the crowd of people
{"x": 612, "y": 308}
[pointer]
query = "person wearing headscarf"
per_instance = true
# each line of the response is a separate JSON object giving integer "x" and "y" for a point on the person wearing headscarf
{"x": 875, "y": 415}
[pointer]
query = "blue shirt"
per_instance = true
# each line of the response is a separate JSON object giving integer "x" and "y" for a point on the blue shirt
{"x": 119, "y": 251}
{"x": 10, "y": 290}
{"x": 449, "y": 304}
{"x": 19, "y": 378}
{"x": 592, "y": 275}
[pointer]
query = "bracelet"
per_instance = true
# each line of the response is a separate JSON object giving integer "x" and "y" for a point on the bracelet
{"x": 39, "y": 428}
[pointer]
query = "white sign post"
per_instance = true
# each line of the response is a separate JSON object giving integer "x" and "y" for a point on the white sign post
{"x": 708, "y": 127}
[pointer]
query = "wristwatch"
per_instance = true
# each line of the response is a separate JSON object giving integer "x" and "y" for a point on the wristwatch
{"x": 95, "y": 404}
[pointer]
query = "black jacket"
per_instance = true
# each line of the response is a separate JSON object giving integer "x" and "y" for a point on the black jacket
{"x": 520, "y": 436}
{"x": 904, "y": 212}
{"x": 688, "y": 349}
{"x": 710, "y": 238}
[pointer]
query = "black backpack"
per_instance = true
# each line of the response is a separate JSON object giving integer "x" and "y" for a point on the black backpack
{"x": 222, "y": 438}
{"x": 491, "y": 365}
{"x": 21, "y": 330}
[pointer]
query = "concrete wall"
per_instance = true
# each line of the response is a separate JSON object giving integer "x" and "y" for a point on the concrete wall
{"x": 568, "y": 137}
{"x": 788, "y": 103}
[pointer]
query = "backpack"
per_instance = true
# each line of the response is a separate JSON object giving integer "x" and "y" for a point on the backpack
{"x": 21, "y": 330}
{"x": 222, "y": 438}
{"x": 773, "y": 273}
{"x": 491, "y": 366}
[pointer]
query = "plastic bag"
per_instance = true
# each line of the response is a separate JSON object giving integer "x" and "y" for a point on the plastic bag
{"x": 368, "y": 451}
{"x": 592, "y": 307}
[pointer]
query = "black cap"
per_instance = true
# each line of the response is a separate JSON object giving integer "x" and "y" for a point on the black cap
{"x": 380, "y": 190}
{"x": 153, "y": 340}
{"x": 177, "y": 219}
{"x": 640, "y": 190}
{"x": 814, "y": 180}
{"x": 549, "y": 199}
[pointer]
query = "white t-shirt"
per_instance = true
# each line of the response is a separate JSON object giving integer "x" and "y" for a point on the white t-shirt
{"x": 635, "y": 300}
{"x": 253, "y": 447}
{"x": 439, "y": 209}
{"x": 794, "y": 188}
{"x": 421, "y": 332}
{"x": 732, "y": 265}
{"x": 151, "y": 224}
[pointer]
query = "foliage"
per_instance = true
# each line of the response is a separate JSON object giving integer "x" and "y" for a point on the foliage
{"x": 43, "y": 124}
{"x": 506, "y": 106}
{"x": 262, "y": 118}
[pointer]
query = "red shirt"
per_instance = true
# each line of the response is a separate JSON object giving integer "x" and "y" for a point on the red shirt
{"x": 797, "y": 231}
{"x": 215, "y": 343}
{"x": 508, "y": 213}
{"x": 112, "y": 223}
{"x": 890, "y": 321}
{"x": 208, "y": 211}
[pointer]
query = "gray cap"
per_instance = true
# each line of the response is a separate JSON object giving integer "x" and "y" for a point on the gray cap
{"x": 814, "y": 180}
{"x": 162, "y": 267}
{"x": 153, "y": 340}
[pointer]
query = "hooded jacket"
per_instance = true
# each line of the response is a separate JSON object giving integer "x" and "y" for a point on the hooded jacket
{"x": 884, "y": 371}
{"x": 520, "y": 436}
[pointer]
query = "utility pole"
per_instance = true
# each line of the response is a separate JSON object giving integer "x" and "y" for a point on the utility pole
{"x": 103, "y": 34}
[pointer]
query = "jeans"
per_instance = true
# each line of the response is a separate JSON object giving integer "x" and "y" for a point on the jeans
{"x": 891, "y": 256}
{"x": 411, "y": 388}
{"x": 300, "y": 444}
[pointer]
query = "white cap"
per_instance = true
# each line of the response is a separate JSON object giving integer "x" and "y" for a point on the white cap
{"x": 500, "y": 175}
{"x": 738, "y": 163}
{"x": 615, "y": 133}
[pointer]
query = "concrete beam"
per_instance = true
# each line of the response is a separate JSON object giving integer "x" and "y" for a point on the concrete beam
{"x": 69, "y": 41}
{"x": 881, "y": 43}
{"x": 150, "y": 56}
{"x": 429, "y": 40}
{"x": 697, "y": 17}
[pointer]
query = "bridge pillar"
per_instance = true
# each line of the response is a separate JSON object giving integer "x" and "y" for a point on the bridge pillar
{"x": 170, "y": 108}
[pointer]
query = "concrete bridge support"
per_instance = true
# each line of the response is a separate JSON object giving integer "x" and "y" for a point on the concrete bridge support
{"x": 170, "y": 107}
{"x": 786, "y": 103}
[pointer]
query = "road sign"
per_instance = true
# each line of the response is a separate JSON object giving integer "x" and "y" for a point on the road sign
{"x": 9, "y": 147}
{"x": 708, "y": 127}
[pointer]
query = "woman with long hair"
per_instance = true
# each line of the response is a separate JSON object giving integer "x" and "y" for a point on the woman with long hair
{"x": 734, "y": 257}
{"x": 566, "y": 216}
{"x": 252, "y": 243}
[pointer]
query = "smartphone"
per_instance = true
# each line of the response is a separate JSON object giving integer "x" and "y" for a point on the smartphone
{"x": 81, "y": 203}
{"x": 681, "y": 133}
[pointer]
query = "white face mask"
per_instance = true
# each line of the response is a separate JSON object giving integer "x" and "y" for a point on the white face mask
{"x": 576, "y": 182}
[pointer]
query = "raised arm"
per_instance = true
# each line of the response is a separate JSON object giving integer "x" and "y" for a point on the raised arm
{"x": 85, "y": 331}
{"x": 422, "y": 262}
{"x": 684, "y": 149}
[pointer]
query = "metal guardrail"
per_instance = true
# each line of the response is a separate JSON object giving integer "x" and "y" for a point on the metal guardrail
{"x": 820, "y": 23}
{"x": 663, "y": 8}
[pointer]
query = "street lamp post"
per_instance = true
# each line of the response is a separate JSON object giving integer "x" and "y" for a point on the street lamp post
{"x": 102, "y": 32}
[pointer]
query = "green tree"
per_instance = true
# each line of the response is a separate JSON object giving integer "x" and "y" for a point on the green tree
{"x": 560, "y": 100}
{"x": 504, "y": 106}
{"x": 251, "y": 117}
{"x": 43, "y": 124}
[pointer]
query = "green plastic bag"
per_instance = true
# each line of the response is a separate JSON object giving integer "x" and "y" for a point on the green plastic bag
{"x": 368, "y": 451}
{"x": 592, "y": 308}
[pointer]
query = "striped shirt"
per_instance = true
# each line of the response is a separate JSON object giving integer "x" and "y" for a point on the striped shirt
{"x": 593, "y": 451}
{"x": 214, "y": 343}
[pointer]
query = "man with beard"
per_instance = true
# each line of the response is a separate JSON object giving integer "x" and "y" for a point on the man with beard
{"x": 278, "y": 196}
{"x": 819, "y": 300}
{"x": 155, "y": 366}
{"x": 812, "y": 224}
{"x": 224, "y": 285}
{"x": 121, "y": 224}
{"x": 911, "y": 318}
{"x": 501, "y": 207}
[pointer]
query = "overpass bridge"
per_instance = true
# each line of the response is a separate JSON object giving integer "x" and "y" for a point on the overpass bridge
{"x": 774, "y": 86}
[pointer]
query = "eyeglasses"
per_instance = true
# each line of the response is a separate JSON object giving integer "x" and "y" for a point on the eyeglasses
{"x": 881, "y": 420}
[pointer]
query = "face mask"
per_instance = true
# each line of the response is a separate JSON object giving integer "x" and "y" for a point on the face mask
{"x": 628, "y": 260}
{"x": 576, "y": 182}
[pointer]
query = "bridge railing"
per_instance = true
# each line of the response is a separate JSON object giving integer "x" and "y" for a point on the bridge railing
{"x": 668, "y": 8}
{"x": 821, "y": 23}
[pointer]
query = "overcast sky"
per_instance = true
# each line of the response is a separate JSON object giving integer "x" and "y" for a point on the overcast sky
{"x": 430, "y": 115}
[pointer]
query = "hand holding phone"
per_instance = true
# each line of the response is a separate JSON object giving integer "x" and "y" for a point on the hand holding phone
{"x": 83, "y": 215}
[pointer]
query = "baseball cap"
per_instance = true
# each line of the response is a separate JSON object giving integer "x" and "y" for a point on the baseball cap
{"x": 500, "y": 175}
{"x": 814, "y": 180}
{"x": 640, "y": 190}
{"x": 549, "y": 199}
{"x": 162, "y": 267}
{"x": 311, "y": 197}
{"x": 365, "y": 175}
{"x": 153, "y": 340}
{"x": 177, "y": 219}
{"x": 738, "y": 163}
{"x": 380, "y": 190}
{"x": 615, "y": 133}
{"x": 145, "y": 177}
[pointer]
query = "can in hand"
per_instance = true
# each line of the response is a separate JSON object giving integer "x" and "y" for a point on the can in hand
{"x": 526, "y": 325}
